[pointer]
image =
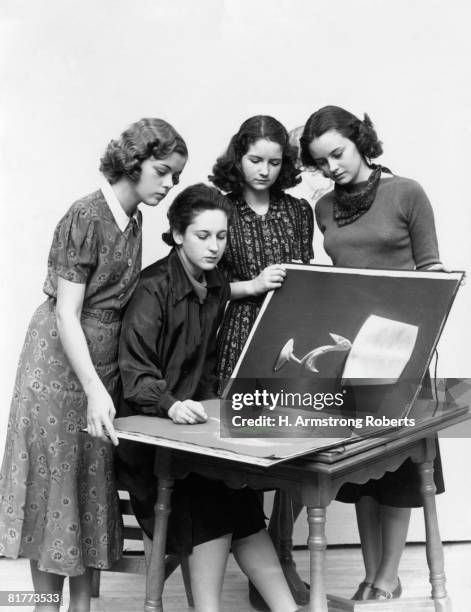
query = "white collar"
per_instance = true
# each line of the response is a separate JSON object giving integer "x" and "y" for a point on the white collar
{"x": 121, "y": 218}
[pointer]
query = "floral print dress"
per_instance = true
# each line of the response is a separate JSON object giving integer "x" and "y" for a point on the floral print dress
{"x": 58, "y": 499}
{"x": 284, "y": 234}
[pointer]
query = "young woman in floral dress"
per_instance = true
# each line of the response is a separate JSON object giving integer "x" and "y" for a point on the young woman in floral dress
{"x": 58, "y": 500}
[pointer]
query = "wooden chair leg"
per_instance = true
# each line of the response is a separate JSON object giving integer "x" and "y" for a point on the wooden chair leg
{"x": 156, "y": 568}
{"x": 172, "y": 561}
{"x": 186, "y": 581}
{"x": 96, "y": 574}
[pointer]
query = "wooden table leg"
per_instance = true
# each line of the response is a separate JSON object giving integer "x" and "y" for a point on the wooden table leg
{"x": 434, "y": 547}
{"x": 284, "y": 513}
{"x": 317, "y": 545}
{"x": 156, "y": 569}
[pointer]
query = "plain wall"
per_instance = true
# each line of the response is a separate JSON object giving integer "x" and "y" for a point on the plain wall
{"x": 74, "y": 74}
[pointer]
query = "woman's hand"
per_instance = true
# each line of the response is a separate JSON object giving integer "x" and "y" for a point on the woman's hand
{"x": 100, "y": 414}
{"x": 100, "y": 408}
{"x": 439, "y": 267}
{"x": 269, "y": 278}
{"x": 187, "y": 411}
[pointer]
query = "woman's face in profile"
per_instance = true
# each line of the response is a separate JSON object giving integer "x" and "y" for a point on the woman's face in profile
{"x": 338, "y": 158}
{"x": 158, "y": 176}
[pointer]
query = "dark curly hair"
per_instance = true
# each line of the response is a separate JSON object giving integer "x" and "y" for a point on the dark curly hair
{"x": 143, "y": 139}
{"x": 188, "y": 203}
{"x": 227, "y": 172}
{"x": 361, "y": 133}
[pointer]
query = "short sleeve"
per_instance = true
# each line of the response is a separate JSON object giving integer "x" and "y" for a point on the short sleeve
{"x": 307, "y": 231}
{"x": 74, "y": 253}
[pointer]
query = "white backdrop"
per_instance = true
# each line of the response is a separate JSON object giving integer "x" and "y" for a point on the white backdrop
{"x": 75, "y": 73}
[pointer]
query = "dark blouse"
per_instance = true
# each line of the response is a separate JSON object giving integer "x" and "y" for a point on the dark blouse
{"x": 168, "y": 340}
{"x": 167, "y": 353}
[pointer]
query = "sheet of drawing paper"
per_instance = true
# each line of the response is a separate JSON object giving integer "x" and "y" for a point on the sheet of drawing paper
{"x": 380, "y": 351}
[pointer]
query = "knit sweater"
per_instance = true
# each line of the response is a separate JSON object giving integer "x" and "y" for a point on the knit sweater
{"x": 398, "y": 231}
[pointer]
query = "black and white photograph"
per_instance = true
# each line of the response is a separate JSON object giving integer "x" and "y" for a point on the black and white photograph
{"x": 202, "y": 201}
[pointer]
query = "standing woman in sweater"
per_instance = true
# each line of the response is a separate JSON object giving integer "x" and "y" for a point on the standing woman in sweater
{"x": 58, "y": 500}
{"x": 372, "y": 219}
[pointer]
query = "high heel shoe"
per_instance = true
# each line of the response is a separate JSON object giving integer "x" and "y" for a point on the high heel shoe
{"x": 381, "y": 594}
{"x": 364, "y": 588}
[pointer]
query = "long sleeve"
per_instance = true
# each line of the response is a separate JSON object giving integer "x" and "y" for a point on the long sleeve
{"x": 307, "y": 231}
{"x": 144, "y": 385}
{"x": 209, "y": 382}
{"x": 323, "y": 206}
{"x": 421, "y": 225}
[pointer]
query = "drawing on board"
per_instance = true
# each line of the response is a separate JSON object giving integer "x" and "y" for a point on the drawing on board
{"x": 370, "y": 333}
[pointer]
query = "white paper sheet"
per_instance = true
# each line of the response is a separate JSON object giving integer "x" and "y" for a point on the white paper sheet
{"x": 380, "y": 351}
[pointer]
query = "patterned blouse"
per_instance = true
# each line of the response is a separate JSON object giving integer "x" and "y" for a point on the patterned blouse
{"x": 284, "y": 234}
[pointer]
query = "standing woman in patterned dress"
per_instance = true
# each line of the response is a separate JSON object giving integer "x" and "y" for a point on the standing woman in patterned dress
{"x": 58, "y": 500}
{"x": 269, "y": 228}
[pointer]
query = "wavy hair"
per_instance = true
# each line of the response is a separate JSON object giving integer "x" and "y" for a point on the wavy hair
{"x": 189, "y": 203}
{"x": 143, "y": 139}
{"x": 227, "y": 172}
{"x": 361, "y": 133}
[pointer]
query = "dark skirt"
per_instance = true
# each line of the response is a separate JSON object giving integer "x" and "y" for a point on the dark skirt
{"x": 201, "y": 509}
{"x": 204, "y": 510}
{"x": 400, "y": 489}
